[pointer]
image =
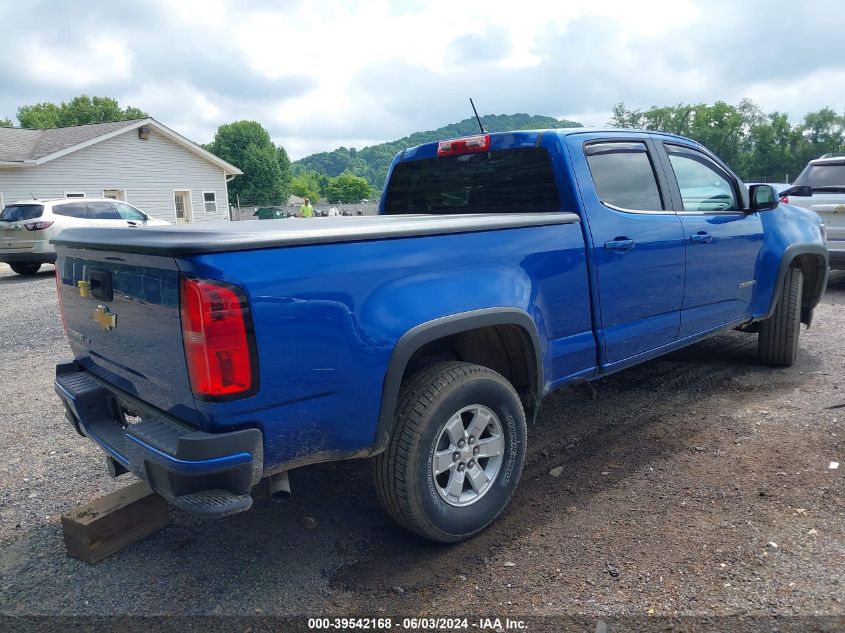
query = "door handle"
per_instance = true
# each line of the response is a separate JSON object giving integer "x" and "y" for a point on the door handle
{"x": 701, "y": 237}
{"x": 619, "y": 244}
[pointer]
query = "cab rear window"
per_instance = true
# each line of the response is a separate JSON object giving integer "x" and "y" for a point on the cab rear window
{"x": 507, "y": 181}
{"x": 20, "y": 212}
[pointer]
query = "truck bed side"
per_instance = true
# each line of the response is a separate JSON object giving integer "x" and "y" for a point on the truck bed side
{"x": 324, "y": 354}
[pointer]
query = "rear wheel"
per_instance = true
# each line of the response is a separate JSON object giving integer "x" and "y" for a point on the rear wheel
{"x": 456, "y": 452}
{"x": 25, "y": 268}
{"x": 778, "y": 339}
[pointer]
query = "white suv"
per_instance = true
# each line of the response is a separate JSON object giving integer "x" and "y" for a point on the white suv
{"x": 26, "y": 227}
{"x": 823, "y": 180}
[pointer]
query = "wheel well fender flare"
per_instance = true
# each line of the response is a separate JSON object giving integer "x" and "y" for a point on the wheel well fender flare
{"x": 430, "y": 331}
{"x": 819, "y": 254}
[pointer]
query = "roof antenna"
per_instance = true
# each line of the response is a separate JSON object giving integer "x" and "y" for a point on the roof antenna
{"x": 477, "y": 118}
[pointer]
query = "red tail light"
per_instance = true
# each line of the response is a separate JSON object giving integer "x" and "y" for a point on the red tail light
{"x": 219, "y": 341}
{"x": 38, "y": 226}
{"x": 785, "y": 199}
{"x": 468, "y": 145}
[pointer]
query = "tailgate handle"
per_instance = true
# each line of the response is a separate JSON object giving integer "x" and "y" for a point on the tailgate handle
{"x": 100, "y": 280}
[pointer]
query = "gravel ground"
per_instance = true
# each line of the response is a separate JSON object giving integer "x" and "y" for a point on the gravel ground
{"x": 694, "y": 485}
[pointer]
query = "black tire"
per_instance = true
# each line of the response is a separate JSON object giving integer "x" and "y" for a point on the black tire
{"x": 25, "y": 268}
{"x": 778, "y": 339}
{"x": 403, "y": 473}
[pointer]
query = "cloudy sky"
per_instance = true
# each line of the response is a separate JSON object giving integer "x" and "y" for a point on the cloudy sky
{"x": 321, "y": 74}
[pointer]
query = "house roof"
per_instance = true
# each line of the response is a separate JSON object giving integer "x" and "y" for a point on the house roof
{"x": 27, "y": 147}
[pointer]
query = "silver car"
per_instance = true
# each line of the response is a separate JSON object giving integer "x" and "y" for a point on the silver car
{"x": 824, "y": 180}
{"x": 26, "y": 227}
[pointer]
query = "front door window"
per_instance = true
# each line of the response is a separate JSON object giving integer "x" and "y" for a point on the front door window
{"x": 704, "y": 187}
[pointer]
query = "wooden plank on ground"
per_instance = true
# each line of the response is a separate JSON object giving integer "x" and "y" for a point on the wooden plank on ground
{"x": 108, "y": 524}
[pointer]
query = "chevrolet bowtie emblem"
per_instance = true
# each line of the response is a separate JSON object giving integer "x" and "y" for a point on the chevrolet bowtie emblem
{"x": 84, "y": 288}
{"x": 107, "y": 320}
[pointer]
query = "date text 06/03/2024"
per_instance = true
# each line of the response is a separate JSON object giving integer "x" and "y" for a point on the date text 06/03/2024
{"x": 417, "y": 624}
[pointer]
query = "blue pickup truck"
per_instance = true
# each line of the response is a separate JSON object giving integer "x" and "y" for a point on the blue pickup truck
{"x": 502, "y": 267}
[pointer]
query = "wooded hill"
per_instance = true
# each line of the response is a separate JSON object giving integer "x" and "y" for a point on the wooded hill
{"x": 372, "y": 162}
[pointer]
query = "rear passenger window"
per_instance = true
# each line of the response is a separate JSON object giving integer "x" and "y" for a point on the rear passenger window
{"x": 71, "y": 210}
{"x": 624, "y": 176}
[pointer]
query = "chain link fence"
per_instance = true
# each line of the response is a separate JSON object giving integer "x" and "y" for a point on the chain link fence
{"x": 782, "y": 179}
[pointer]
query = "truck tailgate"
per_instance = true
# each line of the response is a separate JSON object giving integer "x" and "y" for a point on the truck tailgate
{"x": 121, "y": 315}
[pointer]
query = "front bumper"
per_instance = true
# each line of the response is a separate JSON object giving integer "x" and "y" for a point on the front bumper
{"x": 208, "y": 474}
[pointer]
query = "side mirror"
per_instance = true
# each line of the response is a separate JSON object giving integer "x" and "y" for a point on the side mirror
{"x": 802, "y": 191}
{"x": 763, "y": 197}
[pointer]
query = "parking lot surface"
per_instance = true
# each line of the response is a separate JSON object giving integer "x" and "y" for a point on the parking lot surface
{"x": 696, "y": 484}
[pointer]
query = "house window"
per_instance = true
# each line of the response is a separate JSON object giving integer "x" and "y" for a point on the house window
{"x": 74, "y": 194}
{"x": 115, "y": 194}
{"x": 209, "y": 198}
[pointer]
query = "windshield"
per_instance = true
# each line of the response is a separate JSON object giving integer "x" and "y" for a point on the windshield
{"x": 823, "y": 175}
{"x": 19, "y": 212}
{"x": 506, "y": 181}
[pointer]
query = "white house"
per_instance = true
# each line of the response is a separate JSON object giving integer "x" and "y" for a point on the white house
{"x": 141, "y": 162}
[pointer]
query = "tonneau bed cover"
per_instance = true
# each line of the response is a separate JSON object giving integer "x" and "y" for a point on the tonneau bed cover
{"x": 216, "y": 237}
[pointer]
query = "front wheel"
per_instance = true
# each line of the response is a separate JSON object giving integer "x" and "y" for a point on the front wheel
{"x": 456, "y": 452}
{"x": 777, "y": 342}
{"x": 25, "y": 268}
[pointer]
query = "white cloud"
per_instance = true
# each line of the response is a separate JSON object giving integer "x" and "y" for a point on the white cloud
{"x": 101, "y": 58}
{"x": 802, "y": 94}
{"x": 321, "y": 74}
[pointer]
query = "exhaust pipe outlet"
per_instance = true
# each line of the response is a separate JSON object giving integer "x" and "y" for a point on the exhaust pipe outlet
{"x": 280, "y": 487}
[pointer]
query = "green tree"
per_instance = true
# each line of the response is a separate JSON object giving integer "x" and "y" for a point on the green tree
{"x": 348, "y": 188}
{"x": 284, "y": 165}
{"x": 306, "y": 184}
{"x": 821, "y": 132}
{"x": 772, "y": 146}
{"x": 823, "y": 129}
{"x": 80, "y": 110}
{"x": 721, "y": 127}
{"x": 323, "y": 181}
{"x": 5, "y": 123}
{"x": 624, "y": 117}
{"x": 247, "y": 145}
